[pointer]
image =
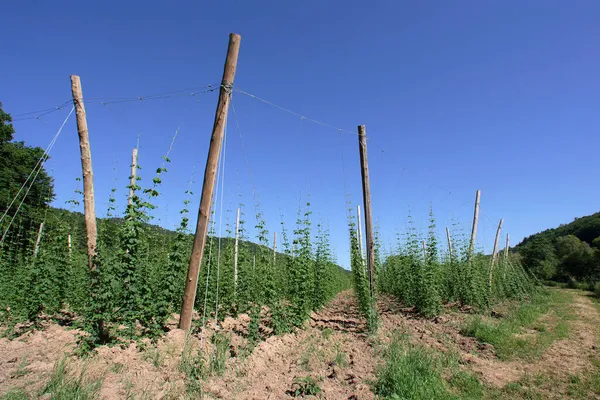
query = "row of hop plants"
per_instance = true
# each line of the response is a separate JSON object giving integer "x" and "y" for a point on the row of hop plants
{"x": 138, "y": 280}
{"x": 421, "y": 275}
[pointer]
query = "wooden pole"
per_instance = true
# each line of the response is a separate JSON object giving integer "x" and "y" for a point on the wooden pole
{"x": 507, "y": 246}
{"x": 449, "y": 244}
{"x": 69, "y": 244}
{"x": 495, "y": 251}
{"x": 214, "y": 151}
{"x": 364, "y": 164}
{"x": 359, "y": 235}
{"x": 36, "y": 248}
{"x": 86, "y": 167}
{"x": 133, "y": 176}
{"x": 235, "y": 249}
{"x": 274, "y": 247}
{"x": 475, "y": 221}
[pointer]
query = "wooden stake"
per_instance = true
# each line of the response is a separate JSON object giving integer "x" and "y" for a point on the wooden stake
{"x": 214, "y": 151}
{"x": 449, "y": 244}
{"x": 235, "y": 249}
{"x": 69, "y": 244}
{"x": 132, "y": 177}
{"x": 86, "y": 167}
{"x": 37, "y": 241}
{"x": 475, "y": 221}
{"x": 364, "y": 164}
{"x": 507, "y": 246}
{"x": 359, "y": 234}
{"x": 274, "y": 247}
{"x": 424, "y": 251}
{"x": 495, "y": 251}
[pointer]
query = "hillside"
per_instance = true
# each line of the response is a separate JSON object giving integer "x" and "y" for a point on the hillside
{"x": 569, "y": 252}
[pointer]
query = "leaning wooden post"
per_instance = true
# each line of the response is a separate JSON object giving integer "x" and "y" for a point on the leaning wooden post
{"x": 36, "y": 248}
{"x": 214, "y": 151}
{"x": 364, "y": 164}
{"x": 495, "y": 251}
{"x": 86, "y": 167}
{"x": 133, "y": 176}
{"x": 449, "y": 244}
{"x": 274, "y": 247}
{"x": 235, "y": 249}
{"x": 475, "y": 220}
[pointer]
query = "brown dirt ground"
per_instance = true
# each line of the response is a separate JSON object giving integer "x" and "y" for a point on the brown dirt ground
{"x": 333, "y": 349}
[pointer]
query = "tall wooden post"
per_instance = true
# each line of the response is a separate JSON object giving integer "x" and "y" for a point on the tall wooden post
{"x": 449, "y": 244}
{"x": 133, "y": 176}
{"x": 494, "y": 252}
{"x": 37, "y": 241}
{"x": 359, "y": 235}
{"x": 69, "y": 244}
{"x": 424, "y": 251}
{"x": 274, "y": 247}
{"x": 475, "y": 221}
{"x": 86, "y": 167}
{"x": 235, "y": 249}
{"x": 507, "y": 246}
{"x": 364, "y": 164}
{"x": 214, "y": 151}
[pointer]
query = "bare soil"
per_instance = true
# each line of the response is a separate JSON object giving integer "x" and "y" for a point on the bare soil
{"x": 333, "y": 349}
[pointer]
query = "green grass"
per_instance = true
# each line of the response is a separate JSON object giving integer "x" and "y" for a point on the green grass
{"x": 502, "y": 334}
{"x": 410, "y": 372}
{"x": 62, "y": 386}
{"x": 15, "y": 394}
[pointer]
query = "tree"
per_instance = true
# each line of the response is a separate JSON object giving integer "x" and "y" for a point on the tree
{"x": 576, "y": 258}
{"x": 17, "y": 161}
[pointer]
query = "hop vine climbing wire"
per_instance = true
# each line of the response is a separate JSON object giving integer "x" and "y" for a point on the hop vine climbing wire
{"x": 32, "y": 176}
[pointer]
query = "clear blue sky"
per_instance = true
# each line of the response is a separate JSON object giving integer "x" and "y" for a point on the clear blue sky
{"x": 501, "y": 96}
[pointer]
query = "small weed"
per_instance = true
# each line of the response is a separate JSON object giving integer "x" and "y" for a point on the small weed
{"x": 305, "y": 386}
{"x": 341, "y": 359}
{"x": 327, "y": 332}
{"x": 193, "y": 365}
{"x": 117, "y": 368}
{"x": 64, "y": 387}
{"x": 153, "y": 356}
{"x": 21, "y": 369}
{"x": 221, "y": 353}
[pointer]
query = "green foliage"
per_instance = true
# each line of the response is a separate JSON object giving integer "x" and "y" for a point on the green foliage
{"x": 410, "y": 372}
{"x": 571, "y": 251}
{"x": 420, "y": 277}
{"x": 305, "y": 386}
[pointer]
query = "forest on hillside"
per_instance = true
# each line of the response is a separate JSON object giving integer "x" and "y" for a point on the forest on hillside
{"x": 570, "y": 252}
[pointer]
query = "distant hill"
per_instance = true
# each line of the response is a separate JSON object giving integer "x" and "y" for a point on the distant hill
{"x": 157, "y": 234}
{"x": 570, "y": 251}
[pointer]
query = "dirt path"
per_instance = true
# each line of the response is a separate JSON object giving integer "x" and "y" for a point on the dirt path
{"x": 569, "y": 356}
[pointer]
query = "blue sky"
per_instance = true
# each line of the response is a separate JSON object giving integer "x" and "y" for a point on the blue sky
{"x": 456, "y": 96}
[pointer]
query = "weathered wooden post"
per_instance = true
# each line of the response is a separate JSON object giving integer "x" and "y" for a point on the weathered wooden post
{"x": 86, "y": 167}
{"x": 214, "y": 151}
{"x": 133, "y": 176}
{"x": 449, "y": 244}
{"x": 475, "y": 221}
{"x": 36, "y": 248}
{"x": 274, "y": 247}
{"x": 507, "y": 247}
{"x": 235, "y": 249}
{"x": 366, "y": 184}
{"x": 494, "y": 252}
